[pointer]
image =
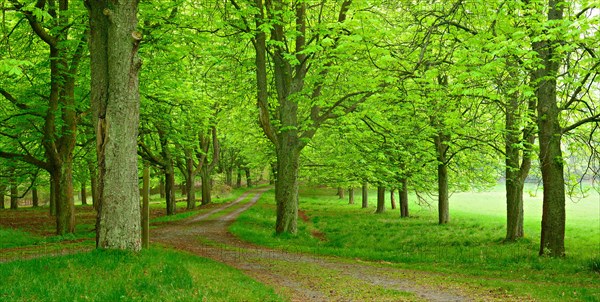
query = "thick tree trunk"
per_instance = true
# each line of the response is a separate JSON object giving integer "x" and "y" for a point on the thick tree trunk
{"x": 206, "y": 186}
{"x": 35, "y": 199}
{"x": 380, "y": 200}
{"x": 340, "y": 192}
{"x": 404, "y": 198}
{"x": 146, "y": 207}
{"x": 350, "y": 195}
{"x": 365, "y": 195}
{"x": 65, "y": 207}
{"x": 442, "y": 169}
{"x": 248, "y": 178}
{"x": 115, "y": 105}
{"x": 286, "y": 189}
{"x": 552, "y": 241}
{"x": 83, "y": 194}
{"x": 14, "y": 196}
{"x": 393, "y": 198}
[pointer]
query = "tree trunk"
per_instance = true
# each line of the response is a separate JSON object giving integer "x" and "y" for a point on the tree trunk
{"x": 365, "y": 195}
{"x": 248, "y": 178}
{"x": 146, "y": 208}
{"x": 53, "y": 194}
{"x": 238, "y": 183}
{"x": 183, "y": 187}
{"x": 161, "y": 188}
{"x": 229, "y": 176}
{"x": 380, "y": 200}
{"x": 206, "y": 186}
{"x": 2, "y": 194}
{"x": 404, "y": 198}
{"x": 170, "y": 190}
{"x": 286, "y": 189}
{"x": 115, "y": 106}
{"x": 516, "y": 170}
{"x": 393, "y": 198}
{"x": 83, "y": 194}
{"x": 340, "y": 192}
{"x": 94, "y": 185}
{"x": 65, "y": 207}
{"x": 190, "y": 183}
{"x": 350, "y": 195}
{"x": 14, "y": 196}
{"x": 442, "y": 169}
{"x": 35, "y": 200}
{"x": 552, "y": 241}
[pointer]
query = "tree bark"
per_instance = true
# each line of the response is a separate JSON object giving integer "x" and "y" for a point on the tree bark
{"x": 35, "y": 200}
{"x": 550, "y": 134}
{"x": 2, "y": 195}
{"x": 380, "y": 200}
{"x": 248, "y": 178}
{"x": 94, "y": 186}
{"x": 14, "y": 195}
{"x": 340, "y": 192}
{"x": 146, "y": 207}
{"x": 365, "y": 195}
{"x": 238, "y": 182}
{"x": 393, "y": 198}
{"x": 161, "y": 188}
{"x": 83, "y": 194}
{"x": 170, "y": 189}
{"x": 286, "y": 189}
{"x": 442, "y": 169}
{"x": 206, "y": 186}
{"x": 190, "y": 182}
{"x": 404, "y": 198}
{"x": 114, "y": 65}
{"x": 350, "y": 195}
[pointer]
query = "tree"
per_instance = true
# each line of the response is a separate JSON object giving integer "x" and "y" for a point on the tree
{"x": 549, "y": 41}
{"x": 114, "y": 42}
{"x": 292, "y": 113}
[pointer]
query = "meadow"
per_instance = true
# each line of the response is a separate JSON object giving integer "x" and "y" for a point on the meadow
{"x": 469, "y": 250}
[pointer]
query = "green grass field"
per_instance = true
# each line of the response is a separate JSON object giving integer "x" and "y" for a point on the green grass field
{"x": 469, "y": 248}
{"x": 152, "y": 275}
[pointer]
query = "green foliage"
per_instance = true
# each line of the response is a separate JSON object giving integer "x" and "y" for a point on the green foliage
{"x": 152, "y": 275}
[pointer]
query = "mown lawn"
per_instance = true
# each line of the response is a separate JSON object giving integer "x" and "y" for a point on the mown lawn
{"x": 152, "y": 275}
{"x": 469, "y": 248}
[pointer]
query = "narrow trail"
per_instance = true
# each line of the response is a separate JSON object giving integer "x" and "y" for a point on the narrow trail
{"x": 299, "y": 277}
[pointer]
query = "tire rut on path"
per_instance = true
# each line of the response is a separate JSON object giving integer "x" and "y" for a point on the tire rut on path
{"x": 208, "y": 237}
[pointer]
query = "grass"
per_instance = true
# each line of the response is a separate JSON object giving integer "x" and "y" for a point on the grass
{"x": 152, "y": 275}
{"x": 469, "y": 249}
{"x": 10, "y": 238}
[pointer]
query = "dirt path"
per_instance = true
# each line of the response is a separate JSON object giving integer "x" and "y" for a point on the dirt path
{"x": 302, "y": 277}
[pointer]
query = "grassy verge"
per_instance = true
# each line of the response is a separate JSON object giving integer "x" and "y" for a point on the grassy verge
{"x": 469, "y": 249}
{"x": 152, "y": 275}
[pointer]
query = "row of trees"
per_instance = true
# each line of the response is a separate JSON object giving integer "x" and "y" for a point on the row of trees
{"x": 404, "y": 95}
